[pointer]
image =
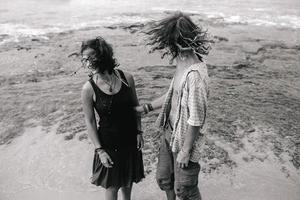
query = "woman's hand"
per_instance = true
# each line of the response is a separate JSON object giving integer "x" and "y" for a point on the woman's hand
{"x": 183, "y": 159}
{"x": 140, "y": 141}
{"x": 105, "y": 159}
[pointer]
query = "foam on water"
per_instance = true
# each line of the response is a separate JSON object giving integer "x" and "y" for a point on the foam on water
{"x": 286, "y": 21}
{"x": 19, "y": 19}
{"x": 14, "y": 32}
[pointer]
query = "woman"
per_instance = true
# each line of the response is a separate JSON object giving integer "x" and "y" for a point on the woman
{"x": 117, "y": 140}
{"x": 183, "y": 115}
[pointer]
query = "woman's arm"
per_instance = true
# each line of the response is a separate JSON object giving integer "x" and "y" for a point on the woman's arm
{"x": 90, "y": 120}
{"x": 140, "y": 141}
{"x": 88, "y": 110}
{"x": 130, "y": 80}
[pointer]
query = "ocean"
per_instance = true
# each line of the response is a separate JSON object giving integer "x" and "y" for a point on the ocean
{"x": 21, "y": 19}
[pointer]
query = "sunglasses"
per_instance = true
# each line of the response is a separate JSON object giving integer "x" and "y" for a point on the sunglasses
{"x": 87, "y": 62}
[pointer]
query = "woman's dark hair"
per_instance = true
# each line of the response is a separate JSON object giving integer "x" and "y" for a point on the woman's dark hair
{"x": 104, "y": 59}
{"x": 178, "y": 33}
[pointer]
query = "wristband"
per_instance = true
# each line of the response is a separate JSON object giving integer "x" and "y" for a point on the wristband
{"x": 150, "y": 106}
{"x": 146, "y": 110}
{"x": 139, "y": 132}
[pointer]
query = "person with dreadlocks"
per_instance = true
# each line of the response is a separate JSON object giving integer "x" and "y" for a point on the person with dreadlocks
{"x": 117, "y": 140}
{"x": 183, "y": 108}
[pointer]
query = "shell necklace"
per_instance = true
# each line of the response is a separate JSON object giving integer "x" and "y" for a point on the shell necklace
{"x": 111, "y": 82}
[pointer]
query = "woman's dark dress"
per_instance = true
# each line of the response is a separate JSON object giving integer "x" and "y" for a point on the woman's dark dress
{"x": 117, "y": 133}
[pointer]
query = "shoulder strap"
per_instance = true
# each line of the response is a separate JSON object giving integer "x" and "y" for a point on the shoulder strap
{"x": 95, "y": 88}
{"x": 123, "y": 77}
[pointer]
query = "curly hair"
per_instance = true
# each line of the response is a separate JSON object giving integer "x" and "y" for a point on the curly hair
{"x": 104, "y": 54}
{"x": 178, "y": 33}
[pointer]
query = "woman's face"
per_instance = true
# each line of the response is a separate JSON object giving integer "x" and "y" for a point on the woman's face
{"x": 88, "y": 57}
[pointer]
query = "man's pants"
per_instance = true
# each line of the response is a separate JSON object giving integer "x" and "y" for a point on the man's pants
{"x": 169, "y": 176}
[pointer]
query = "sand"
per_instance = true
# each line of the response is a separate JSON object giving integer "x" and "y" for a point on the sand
{"x": 252, "y": 150}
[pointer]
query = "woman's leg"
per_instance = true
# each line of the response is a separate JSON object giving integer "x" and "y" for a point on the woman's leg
{"x": 111, "y": 193}
{"x": 126, "y": 192}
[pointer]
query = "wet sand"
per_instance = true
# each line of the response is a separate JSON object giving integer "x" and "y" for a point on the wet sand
{"x": 252, "y": 150}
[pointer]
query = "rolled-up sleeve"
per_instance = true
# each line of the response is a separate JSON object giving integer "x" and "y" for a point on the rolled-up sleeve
{"x": 197, "y": 99}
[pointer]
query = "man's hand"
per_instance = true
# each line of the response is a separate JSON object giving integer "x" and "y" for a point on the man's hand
{"x": 138, "y": 109}
{"x": 105, "y": 159}
{"x": 140, "y": 141}
{"x": 183, "y": 158}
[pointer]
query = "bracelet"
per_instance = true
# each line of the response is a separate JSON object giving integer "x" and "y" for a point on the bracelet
{"x": 147, "y": 107}
{"x": 150, "y": 106}
{"x": 139, "y": 132}
{"x": 146, "y": 110}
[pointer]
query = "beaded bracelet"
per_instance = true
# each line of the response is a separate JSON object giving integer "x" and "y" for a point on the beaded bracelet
{"x": 139, "y": 132}
{"x": 150, "y": 106}
{"x": 145, "y": 107}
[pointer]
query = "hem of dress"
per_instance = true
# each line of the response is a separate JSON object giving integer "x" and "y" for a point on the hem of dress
{"x": 107, "y": 186}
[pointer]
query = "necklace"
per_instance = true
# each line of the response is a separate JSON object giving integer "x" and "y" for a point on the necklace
{"x": 110, "y": 83}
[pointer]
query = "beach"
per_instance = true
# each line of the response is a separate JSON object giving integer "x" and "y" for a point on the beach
{"x": 253, "y": 142}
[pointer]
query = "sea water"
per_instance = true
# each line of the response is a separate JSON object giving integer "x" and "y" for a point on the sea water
{"x": 36, "y": 18}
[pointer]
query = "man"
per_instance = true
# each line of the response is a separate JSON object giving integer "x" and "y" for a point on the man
{"x": 183, "y": 114}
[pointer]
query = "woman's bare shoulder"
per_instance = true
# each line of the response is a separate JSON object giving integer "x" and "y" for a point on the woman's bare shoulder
{"x": 87, "y": 89}
{"x": 87, "y": 86}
